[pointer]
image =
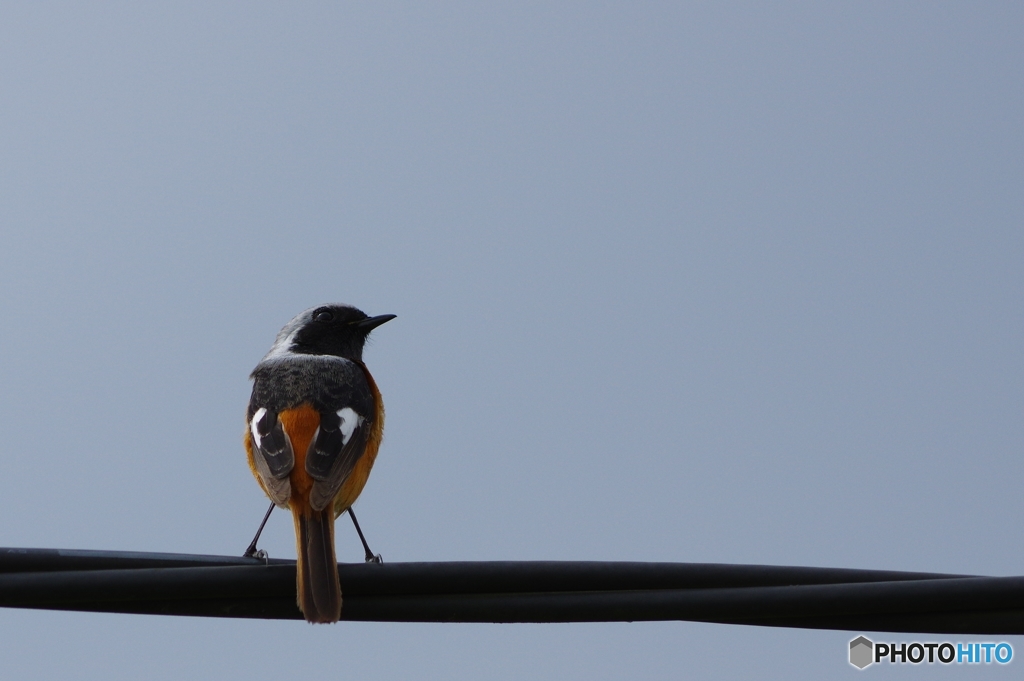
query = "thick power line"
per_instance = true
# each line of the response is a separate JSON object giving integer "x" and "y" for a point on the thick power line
{"x": 221, "y": 586}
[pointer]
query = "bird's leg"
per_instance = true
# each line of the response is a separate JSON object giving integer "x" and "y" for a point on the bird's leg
{"x": 251, "y": 552}
{"x": 370, "y": 557}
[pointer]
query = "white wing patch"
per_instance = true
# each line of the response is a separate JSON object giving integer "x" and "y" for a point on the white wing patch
{"x": 252, "y": 426}
{"x": 350, "y": 420}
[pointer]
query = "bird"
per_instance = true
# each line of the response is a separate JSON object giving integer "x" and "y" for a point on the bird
{"x": 314, "y": 423}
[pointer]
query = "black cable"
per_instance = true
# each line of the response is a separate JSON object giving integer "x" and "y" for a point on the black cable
{"x": 221, "y": 586}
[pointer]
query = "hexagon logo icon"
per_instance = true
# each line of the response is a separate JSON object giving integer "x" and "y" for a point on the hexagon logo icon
{"x": 861, "y": 649}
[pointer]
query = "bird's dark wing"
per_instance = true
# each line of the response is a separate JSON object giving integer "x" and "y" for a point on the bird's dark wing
{"x": 272, "y": 452}
{"x": 334, "y": 452}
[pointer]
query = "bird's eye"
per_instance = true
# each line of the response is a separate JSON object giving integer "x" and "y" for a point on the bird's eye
{"x": 323, "y": 316}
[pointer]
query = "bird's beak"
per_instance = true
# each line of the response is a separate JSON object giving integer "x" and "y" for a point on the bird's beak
{"x": 371, "y": 323}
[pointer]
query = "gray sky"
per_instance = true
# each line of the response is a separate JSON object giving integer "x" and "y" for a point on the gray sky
{"x": 711, "y": 283}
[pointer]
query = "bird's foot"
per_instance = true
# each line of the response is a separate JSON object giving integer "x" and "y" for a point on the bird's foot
{"x": 259, "y": 554}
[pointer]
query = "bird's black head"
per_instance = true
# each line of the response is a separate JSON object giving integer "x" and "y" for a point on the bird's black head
{"x": 338, "y": 330}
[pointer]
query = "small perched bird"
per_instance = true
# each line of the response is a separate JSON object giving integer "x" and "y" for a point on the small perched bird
{"x": 315, "y": 422}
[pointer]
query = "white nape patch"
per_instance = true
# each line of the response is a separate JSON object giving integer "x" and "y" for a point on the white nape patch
{"x": 282, "y": 347}
{"x": 350, "y": 420}
{"x": 252, "y": 425}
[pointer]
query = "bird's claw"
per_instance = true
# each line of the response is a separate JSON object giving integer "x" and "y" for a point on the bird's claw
{"x": 258, "y": 554}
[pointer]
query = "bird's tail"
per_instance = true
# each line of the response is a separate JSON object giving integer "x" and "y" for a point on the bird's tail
{"x": 319, "y": 593}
